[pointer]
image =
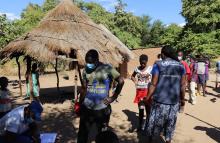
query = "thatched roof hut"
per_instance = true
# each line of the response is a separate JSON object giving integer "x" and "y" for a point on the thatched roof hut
{"x": 64, "y": 29}
{"x": 66, "y": 32}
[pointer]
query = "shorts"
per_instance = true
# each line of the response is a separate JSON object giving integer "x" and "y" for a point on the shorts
{"x": 201, "y": 79}
{"x": 140, "y": 94}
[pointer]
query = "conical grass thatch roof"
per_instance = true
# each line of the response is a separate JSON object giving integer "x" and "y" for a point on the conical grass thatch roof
{"x": 64, "y": 28}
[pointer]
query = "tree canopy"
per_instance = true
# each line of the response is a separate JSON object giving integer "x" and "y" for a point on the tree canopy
{"x": 202, "y": 31}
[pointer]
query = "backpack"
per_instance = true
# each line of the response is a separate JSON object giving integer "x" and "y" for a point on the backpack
{"x": 201, "y": 68}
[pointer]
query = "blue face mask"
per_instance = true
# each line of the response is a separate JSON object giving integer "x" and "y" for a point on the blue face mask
{"x": 90, "y": 66}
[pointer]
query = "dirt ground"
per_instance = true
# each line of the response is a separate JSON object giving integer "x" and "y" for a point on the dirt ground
{"x": 199, "y": 123}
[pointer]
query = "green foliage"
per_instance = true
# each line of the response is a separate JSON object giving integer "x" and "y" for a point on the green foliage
{"x": 145, "y": 34}
{"x": 31, "y": 16}
{"x": 202, "y": 15}
{"x": 202, "y": 31}
{"x": 127, "y": 27}
{"x": 202, "y": 43}
{"x": 98, "y": 14}
{"x": 9, "y": 31}
{"x": 49, "y": 4}
{"x": 130, "y": 28}
{"x": 171, "y": 34}
{"x": 134, "y": 31}
{"x": 120, "y": 7}
{"x": 156, "y": 31}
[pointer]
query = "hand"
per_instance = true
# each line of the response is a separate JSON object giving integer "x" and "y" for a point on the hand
{"x": 145, "y": 99}
{"x": 109, "y": 100}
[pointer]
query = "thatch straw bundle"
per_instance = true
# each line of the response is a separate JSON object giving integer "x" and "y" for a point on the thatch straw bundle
{"x": 64, "y": 28}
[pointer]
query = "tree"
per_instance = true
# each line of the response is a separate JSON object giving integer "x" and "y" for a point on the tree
{"x": 202, "y": 15}
{"x": 204, "y": 43}
{"x": 145, "y": 34}
{"x": 120, "y": 7}
{"x": 134, "y": 31}
{"x": 49, "y": 4}
{"x": 201, "y": 33}
{"x": 171, "y": 34}
{"x": 157, "y": 29}
{"x": 9, "y": 31}
{"x": 31, "y": 16}
{"x": 98, "y": 14}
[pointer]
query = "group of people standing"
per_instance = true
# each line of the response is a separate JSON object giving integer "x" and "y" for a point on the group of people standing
{"x": 161, "y": 89}
{"x": 197, "y": 69}
{"x": 160, "y": 92}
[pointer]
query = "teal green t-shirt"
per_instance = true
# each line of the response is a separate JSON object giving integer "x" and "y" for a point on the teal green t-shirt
{"x": 98, "y": 85}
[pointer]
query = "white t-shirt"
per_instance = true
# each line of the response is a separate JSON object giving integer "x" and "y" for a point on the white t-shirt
{"x": 14, "y": 121}
{"x": 143, "y": 77}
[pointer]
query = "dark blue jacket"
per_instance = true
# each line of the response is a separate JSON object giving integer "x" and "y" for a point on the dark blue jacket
{"x": 169, "y": 83}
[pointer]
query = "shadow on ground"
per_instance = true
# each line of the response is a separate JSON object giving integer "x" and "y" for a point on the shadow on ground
{"x": 52, "y": 95}
{"x": 132, "y": 118}
{"x": 141, "y": 136}
{"x": 213, "y": 133}
{"x": 212, "y": 94}
{"x": 61, "y": 123}
{"x": 202, "y": 121}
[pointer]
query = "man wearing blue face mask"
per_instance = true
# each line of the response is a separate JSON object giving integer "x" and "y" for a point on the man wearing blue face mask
{"x": 19, "y": 125}
{"x": 95, "y": 100}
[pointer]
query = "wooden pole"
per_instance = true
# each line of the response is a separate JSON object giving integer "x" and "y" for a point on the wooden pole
{"x": 19, "y": 74}
{"x": 75, "y": 79}
{"x": 58, "y": 80}
{"x": 80, "y": 75}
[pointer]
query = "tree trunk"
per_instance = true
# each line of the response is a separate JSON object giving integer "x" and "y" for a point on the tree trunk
{"x": 75, "y": 79}
{"x": 19, "y": 75}
{"x": 80, "y": 75}
{"x": 58, "y": 80}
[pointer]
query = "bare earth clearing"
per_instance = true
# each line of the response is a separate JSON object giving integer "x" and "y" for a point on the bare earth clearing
{"x": 198, "y": 124}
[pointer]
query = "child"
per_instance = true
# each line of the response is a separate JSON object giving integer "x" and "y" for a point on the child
{"x": 143, "y": 74}
{"x": 5, "y": 101}
{"x": 106, "y": 137}
{"x": 33, "y": 84}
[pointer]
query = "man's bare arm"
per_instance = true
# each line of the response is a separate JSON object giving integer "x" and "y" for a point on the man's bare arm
{"x": 133, "y": 77}
{"x": 152, "y": 86}
{"x": 118, "y": 89}
{"x": 183, "y": 90}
